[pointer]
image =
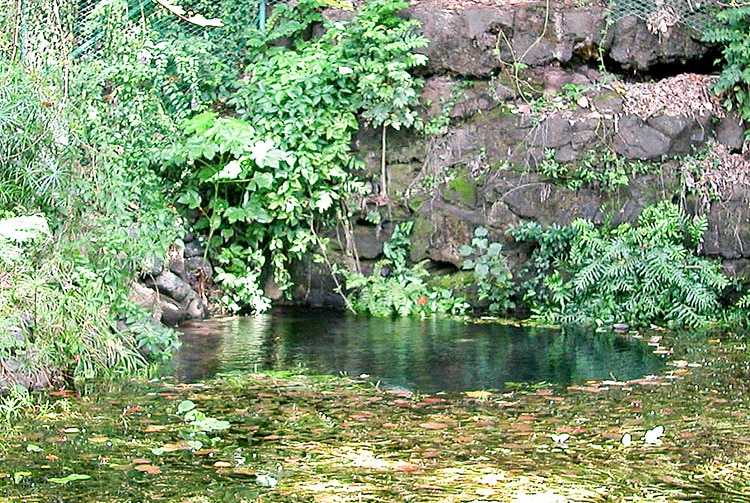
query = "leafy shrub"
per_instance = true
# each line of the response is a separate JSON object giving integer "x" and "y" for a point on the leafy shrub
{"x": 394, "y": 288}
{"x": 31, "y": 173}
{"x": 490, "y": 270}
{"x": 731, "y": 34}
{"x": 265, "y": 182}
{"x": 637, "y": 274}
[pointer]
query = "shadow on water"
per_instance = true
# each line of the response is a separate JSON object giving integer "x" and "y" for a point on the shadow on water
{"x": 426, "y": 355}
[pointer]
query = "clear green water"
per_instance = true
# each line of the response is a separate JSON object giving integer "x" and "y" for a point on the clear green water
{"x": 426, "y": 355}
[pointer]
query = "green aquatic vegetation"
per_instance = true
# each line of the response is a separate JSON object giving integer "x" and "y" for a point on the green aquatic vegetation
{"x": 678, "y": 436}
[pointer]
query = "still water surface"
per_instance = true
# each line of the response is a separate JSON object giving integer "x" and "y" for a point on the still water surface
{"x": 427, "y": 355}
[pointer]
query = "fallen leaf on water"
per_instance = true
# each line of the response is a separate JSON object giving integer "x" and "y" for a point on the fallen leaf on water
{"x": 205, "y": 452}
{"x": 70, "y": 478}
{"x": 479, "y": 394}
{"x": 141, "y": 461}
{"x": 150, "y": 469}
{"x": 432, "y": 425}
{"x": 51, "y": 457}
{"x": 175, "y": 447}
{"x": 405, "y": 467}
{"x": 222, "y": 464}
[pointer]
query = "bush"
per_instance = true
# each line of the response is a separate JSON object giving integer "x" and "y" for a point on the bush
{"x": 636, "y": 274}
{"x": 394, "y": 288}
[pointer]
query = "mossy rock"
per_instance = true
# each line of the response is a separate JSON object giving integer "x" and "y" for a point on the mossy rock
{"x": 462, "y": 190}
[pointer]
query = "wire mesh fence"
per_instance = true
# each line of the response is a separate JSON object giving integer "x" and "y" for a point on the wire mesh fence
{"x": 661, "y": 15}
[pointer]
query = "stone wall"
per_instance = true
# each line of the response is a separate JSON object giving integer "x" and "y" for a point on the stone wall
{"x": 484, "y": 167}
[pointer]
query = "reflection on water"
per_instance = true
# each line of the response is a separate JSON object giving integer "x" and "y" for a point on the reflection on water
{"x": 428, "y": 355}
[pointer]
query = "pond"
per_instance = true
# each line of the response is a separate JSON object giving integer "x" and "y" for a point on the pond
{"x": 429, "y": 355}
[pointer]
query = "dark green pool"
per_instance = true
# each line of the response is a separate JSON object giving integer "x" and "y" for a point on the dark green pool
{"x": 427, "y": 355}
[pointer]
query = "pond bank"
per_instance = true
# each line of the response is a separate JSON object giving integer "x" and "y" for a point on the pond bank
{"x": 305, "y": 438}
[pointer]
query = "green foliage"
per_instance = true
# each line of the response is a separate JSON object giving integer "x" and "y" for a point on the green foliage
{"x": 31, "y": 171}
{"x": 637, "y": 274}
{"x": 601, "y": 170}
{"x": 490, "y": 269}
{"x": 395, "y": 288}
{"x": 198, "y": 420}
{"x": 731, "y": 35}
{"x": 264, "y": 182}
{"x": 254, "y": 200}
{"x": 70, "y": 320}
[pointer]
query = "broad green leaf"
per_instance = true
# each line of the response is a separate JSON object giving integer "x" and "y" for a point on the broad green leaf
{"x": 191, "y": 199}
{"x": 69, "y": 478}
{"x": 185, "y": 406}
{"x": 466, "y": 250}
{"x": 263, "y": 180}
{"x": 324, "y": 201}
{"x": 229, "y": 172}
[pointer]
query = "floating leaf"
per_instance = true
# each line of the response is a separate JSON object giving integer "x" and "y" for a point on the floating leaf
{"x": 266, "y": 481}
{"x": 431, "y": 425}
{"x": 19, "y": 476}
{"x": 154, "y": 428}
{"x": 185, "y": 406}
{"x": 653, "y": 436}
{"x": 150, "y": 469}
{"x": 70, "y": 478}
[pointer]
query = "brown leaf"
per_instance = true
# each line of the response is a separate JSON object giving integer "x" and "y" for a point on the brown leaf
{"x": 150, "y": 469}
{"x": 432, "y": 425}
{"x": 405, "y": 467}
{"x": 152, "y": 428}
{"x": 222, "y": 464}
{"x": 141, "y": 461}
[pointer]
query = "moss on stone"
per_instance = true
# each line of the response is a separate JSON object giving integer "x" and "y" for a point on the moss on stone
{"x": 464, "y": 189}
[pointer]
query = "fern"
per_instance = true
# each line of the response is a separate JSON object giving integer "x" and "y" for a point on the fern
{"x": 638, "y": 274}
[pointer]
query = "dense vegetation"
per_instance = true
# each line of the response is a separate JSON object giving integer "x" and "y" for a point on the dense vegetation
{"x": 245, "y": 139}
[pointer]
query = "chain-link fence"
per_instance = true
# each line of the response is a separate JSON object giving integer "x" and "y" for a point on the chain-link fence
{"x": 662, "y": 15}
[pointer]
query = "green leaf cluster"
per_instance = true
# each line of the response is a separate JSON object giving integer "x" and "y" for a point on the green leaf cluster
{"x": 636, "y": 274}
{"x": 393, "y": 288}
{"x": 264, "y": 181}
{"x": 605, "y": 170}
{"x": 731, "y": 35}
{"x": 490, "y": 271}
